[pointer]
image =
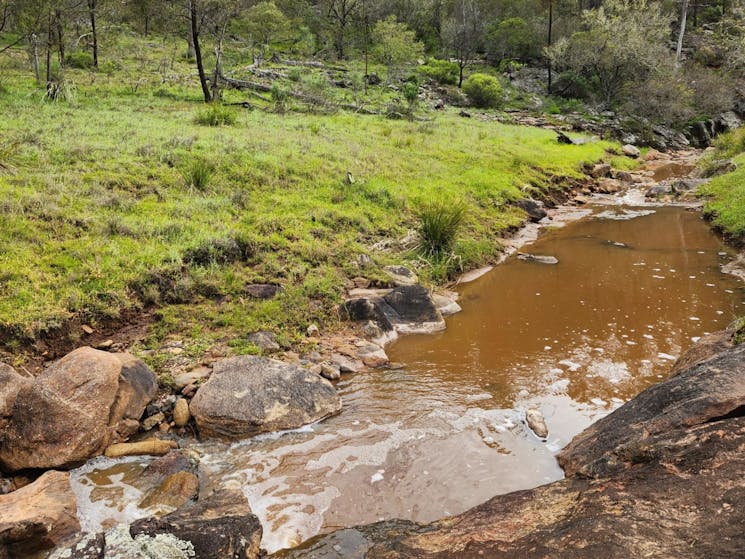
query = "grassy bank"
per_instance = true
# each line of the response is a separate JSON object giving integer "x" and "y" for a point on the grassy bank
{"x": 725, "y": 194}
{"x": 117, "y": 199}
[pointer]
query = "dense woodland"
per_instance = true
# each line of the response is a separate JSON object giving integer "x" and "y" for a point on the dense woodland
{"x": 667, "y": 61}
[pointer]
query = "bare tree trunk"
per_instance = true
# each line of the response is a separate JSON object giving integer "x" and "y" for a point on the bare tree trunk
{"x": 193, "y": 14}
{"x": 60, "y": 38}
{"x": 683, "y": 18}
{"x": 218, "y": 71}
{"x": 50, "y": 44}
{"x": 35, "y": 56}
{"x": 550, "y": 42}
{"x": 92, "y": 11}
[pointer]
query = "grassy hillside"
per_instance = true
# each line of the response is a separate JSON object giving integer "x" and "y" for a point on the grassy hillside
{"x": 100, "y": 213}
{"x": 726, "y": 193}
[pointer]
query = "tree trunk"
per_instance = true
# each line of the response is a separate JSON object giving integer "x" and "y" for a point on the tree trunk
{"x": 193, "y": 13}
{"x": 218, "y": 72}
{"x": 92, "y": 11}
{"x": 683, "y": 18}
{"x": 60, "y": 38}
{"x": 550, "y": 41}
{"x": 35, "y": 56}
{"x": 460, "y": 74}
{"x": 50, "y": 44}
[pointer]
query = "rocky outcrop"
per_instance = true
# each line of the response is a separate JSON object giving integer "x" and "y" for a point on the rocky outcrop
{"x": 249, "y": 395}
{"x": 75, "y": 409}
{"x": 38, "y": 516}
{"x": 659, "y": 477}
{"x": 405, "y": 310}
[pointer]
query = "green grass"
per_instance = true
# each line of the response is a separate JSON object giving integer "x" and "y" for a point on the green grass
{"x": 725, "y": 194}
{"x": 96, "y": 216}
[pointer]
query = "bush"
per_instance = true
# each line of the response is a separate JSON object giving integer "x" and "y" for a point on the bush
{"x": 442, "y": 71}
{"x": 410, "y": 91}
{"x": 484, "y": 90}
{"x": 197, "y": 174}
{"x": 215, "y": 115}
{"x": 439, "y": 223}
{"x": 80, "y": 59}
{"x": 280, "y": 96}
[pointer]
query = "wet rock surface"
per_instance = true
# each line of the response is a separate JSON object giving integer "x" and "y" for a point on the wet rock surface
{"x": 659, "y": 477}
{"x": 37, "y": 516}
{"x": 88, "y": 399}
{"x": 249, "y": 395}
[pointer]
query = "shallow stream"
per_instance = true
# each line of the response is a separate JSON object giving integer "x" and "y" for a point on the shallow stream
{"x": 634, "y": 287}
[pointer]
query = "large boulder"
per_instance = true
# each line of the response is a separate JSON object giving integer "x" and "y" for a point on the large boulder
{"x": 704, "y": 393}
{"x": 248, "y": 395}
{"x": 38, "y": 516}
{"x": 220, "y": 526}
{"x": 662, "y": 476}
{"x": 75, "y": 409}
{"x": 10, "y": 384}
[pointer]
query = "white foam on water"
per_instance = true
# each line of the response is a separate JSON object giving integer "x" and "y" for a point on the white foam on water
{"x": 571, "y": 365}
{"x": 666, "y": 356}
{"x": 612, "y": 371}
{"x": 114, "y": 502}
{"x": 377, "y": 476}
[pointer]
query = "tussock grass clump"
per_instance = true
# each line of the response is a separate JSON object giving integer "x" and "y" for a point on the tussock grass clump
{"x": 197, "y": 174}
{"x": 216, "y": 115}
{"x": 439, "y": 223}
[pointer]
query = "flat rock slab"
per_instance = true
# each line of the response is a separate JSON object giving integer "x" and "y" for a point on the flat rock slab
{"x": 407, "y": 310}
{"x": 38, "y": 516}
{"x": 249, "y": 395}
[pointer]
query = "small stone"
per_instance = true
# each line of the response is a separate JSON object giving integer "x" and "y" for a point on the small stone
{"x": 150, "y": 422}
{"x": 191, "y": 377}
{"x": 87, "y": 329}
{"x": 364, "y": 261}
{"x": 401, "y": 275}
{"x": 164, "y": 427}
{"x": 181, "y": 413}
{"x": 264, "y": 340}
{"x": 263, "y": 290}
{"x": 361, "y": 283}
{"x": 108, "y": 344}
{"x": 347, "y": 364}
{"x": 330, "y": 372}
{"x": 373, "y": 355}
{"x": 313, "y": 331}
{"x": 631, "y": 151}
{"x": 536, "y": 422}
{"x": 371, "y": 329}
{"x": 154, "y": 447}
{"x": 175, "y": 350}
{"x": 176, "y": 490}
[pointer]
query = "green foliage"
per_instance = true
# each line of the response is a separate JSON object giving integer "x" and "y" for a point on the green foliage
{"x": 197, "y": 173}
{"x": 513, "y": 39}
{"x": 438, "y": 225}
{"x": 262, "y": 23}
{"x": 484, "y": 90}
{"x": 216, "y": 114}
{"x": 80, "y": 59}
{"x": 410, "y": 92}
{"x": 396, "y": 45}
{"x": 280, "y": 97}
{"x": 442, "y": 71}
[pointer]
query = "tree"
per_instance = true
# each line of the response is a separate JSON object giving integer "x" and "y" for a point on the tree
{"x": 463, "y": 33}
{"x": 615, "y": 47}
{"x": 263, "y": 22}
{"x": 340, "y": 14}
{"x": 396, "y": 45}
{"x": 92, "y": 7}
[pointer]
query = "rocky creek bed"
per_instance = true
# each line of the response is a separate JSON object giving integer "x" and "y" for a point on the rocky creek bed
{"x": 659, "y": 476}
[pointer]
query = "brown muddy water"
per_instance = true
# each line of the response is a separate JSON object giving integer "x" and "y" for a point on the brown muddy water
{"x": 633, "y": 289}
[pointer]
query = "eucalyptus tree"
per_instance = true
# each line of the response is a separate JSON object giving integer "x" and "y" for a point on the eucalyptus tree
{"x": 463, "y": 33}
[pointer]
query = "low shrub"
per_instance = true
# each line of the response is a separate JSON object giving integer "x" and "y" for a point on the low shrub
{"x": 442, "y": 71}
{"x": 216, "y": 115}
{"x": 484, "y": 90}
{"x": 197, "y": 174}
{"x": 439, "y": 223}
{"x": 80, "y": 59}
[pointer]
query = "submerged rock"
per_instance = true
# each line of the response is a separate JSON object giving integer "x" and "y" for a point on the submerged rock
{"x": 249, "y": 395}
{"x": 38, "y": 516}
{"x": 87, "y": 400}
{"x": 540, "y": 259}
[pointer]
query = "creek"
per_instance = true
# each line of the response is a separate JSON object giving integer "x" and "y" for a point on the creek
{"x": 633, "y": 288}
